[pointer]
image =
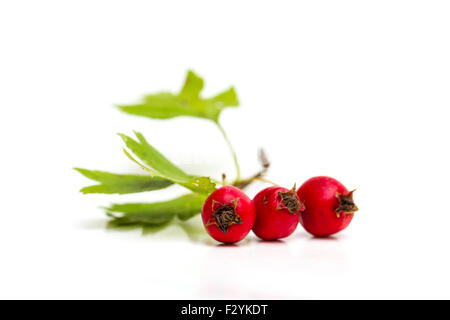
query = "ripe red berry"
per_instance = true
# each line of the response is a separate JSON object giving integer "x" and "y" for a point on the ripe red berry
{"x": 277, "y": 211}
{"x": 329, "y": 206}
{"x": 228, "y": 214}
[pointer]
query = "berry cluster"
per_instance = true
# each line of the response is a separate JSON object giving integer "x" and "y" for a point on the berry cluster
{"x": 322, "y": 205}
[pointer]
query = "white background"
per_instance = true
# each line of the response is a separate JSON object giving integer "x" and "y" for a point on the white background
{"x": 358, "y": 90}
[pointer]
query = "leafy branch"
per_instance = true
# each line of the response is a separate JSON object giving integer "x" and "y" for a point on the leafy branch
{"x": 160, "y": 171}
{"x": 188, "y": 102}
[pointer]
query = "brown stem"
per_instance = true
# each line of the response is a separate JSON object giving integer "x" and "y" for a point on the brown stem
{"x": 265, "y": 164}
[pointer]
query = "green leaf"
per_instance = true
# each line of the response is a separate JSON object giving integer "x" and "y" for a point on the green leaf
{"x": 193, "y": 85}
{"x": 188, "y": 102}
{"x": 183, "y": 207}
{"x": 121, "y": 183}
{"x": 159, "y": 166}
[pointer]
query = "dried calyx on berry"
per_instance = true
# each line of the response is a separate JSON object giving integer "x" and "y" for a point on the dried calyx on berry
{"x": 346, "y": 203}
{"x": 289, "y": 201}
{"x": 224, "y": 215}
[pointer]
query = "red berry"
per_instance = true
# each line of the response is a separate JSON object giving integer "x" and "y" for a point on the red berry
{"x": 277, "y": 211}
{"x": 328, "y": 205}
{"x": 228, "y": 214}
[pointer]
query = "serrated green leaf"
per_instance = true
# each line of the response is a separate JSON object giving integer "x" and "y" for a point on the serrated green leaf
{"x": 183, "y": 207}
{"x": 192, "y": 87}
{"x": 121, "y": 183}
{"x": 188, "y": 102}
{"x": 152, "y": 157}
{"x": 160, "y": 166}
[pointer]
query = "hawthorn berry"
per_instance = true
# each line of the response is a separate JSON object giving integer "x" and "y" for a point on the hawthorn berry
{"x": 329, "y": 206}
{"x": 277, "y": 213}
{"x": 228, "y": 214}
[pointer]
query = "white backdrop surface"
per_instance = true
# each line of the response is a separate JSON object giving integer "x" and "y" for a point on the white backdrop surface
{"x": 358, "y": 90}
